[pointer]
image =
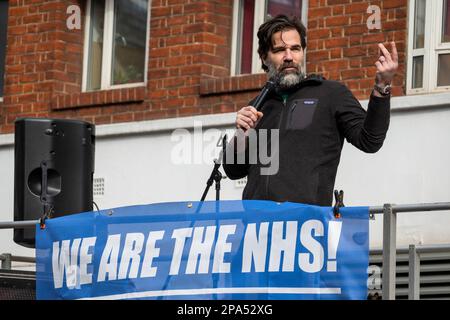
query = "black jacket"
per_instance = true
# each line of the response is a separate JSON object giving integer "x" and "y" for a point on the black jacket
{"x": 313, "y": 122}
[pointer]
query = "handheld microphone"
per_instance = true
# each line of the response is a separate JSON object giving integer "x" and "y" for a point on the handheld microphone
{"x": 269, "y": 86}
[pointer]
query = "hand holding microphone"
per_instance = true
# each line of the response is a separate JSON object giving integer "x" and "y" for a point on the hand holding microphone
{"x": 248, "y": 117}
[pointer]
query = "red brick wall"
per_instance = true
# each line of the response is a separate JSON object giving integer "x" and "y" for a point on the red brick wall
{"x": 342, "y": 48}
{"x": 41, "y": 59}
{"x": 189, "y": 60}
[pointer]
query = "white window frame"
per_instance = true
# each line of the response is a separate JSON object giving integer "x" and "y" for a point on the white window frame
{"x": 259, "y": 13}
{"x": 432, "y": 47}
{"x": 107, "y": 49}
{"x": 4, "y": 70}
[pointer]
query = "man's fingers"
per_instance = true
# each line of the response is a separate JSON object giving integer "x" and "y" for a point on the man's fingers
{"x": 385, "y": 52}
{"x": 248, "y": 120}
{"x": 386, "y": 64}
{"x": 250, "y": 115}
{"x": 260, "y": 115}
{"x": 251, "y": 109}
{"x": 394, "y": 52}
{"x": 242, "y": 124}
{"x": 379, "y": 66}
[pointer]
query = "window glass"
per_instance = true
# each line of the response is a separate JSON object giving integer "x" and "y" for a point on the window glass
{"x": 130, "y": 33}
{"x": 124, "y": 42}
{"x": 443, "y": 70}
{"x": 419, "y": 24}
{"x": 446, "y": 22}
{"x": 417, "y": 72}
{"x": 245, "y": 45}
{"x": 286, "y": 7}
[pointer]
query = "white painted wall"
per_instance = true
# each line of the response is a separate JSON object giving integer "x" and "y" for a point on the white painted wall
{"x": 412, "y": 167}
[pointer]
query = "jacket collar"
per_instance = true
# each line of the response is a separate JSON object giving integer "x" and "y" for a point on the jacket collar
{"x": 310, "y": 80}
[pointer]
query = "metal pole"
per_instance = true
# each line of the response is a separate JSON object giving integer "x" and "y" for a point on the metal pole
{"x": 414, "y": 274}
{"x": 389, "y": 252}
{"x": 18, "y": 224}
{"x": 23, "y": 259}
{"x": 6, "y": 261}
{"x": 422, "y": 248}
{"x": 413, "y": 207}
{"x": 422, "y": 207}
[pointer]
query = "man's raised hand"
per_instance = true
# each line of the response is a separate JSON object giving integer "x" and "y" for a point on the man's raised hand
{"x": 387, "y": 64}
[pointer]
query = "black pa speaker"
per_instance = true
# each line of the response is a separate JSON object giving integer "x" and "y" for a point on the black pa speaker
{"x": 54, "y": 167}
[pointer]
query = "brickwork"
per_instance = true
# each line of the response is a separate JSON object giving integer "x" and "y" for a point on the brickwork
{"x": 342, "y": 47}
{"x": 189, "y": 60}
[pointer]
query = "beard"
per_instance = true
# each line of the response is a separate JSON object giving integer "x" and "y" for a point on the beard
{"x": 287, "y": 78}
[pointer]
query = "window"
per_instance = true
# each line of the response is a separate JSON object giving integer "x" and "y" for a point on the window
{"x": 116, "y": 46}
{"x": 3, "y": 27}
{"x": 248, "y": 15}
{"x": 429, "y": 46}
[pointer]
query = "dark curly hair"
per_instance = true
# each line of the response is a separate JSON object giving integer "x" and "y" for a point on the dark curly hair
{"x": 278, "y": 23}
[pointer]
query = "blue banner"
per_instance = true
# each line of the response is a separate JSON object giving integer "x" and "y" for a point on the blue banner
{"x": 212, "y": 250}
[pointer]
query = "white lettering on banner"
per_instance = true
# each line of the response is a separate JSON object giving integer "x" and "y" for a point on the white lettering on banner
{"x": 151, "y": 252}
{"x": 86, "y": 259}
{"x": 285, "y": 244}
{"x": 266, "y": 246}
{"x": 200, "y": 248}
{"x": 131, "y": 252}
{"x": 110, "y": 256}
{"x": 72, "y": 270}
{"x": 334, "y": 234}
{"x": 255, "y": 247}
{"x": 222, "y": 247}
{"x": 312, "y": 245}
{"x": 61, "y": 261}
{"x": 180, "y": 236}
{"x": 65, "y": 261}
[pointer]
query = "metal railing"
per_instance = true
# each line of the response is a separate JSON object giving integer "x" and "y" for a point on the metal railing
{"x": 414, "y": 258}
{"x": 416, "y": 265}
{"x": 6, "y": 260}
{"x": 389, "y": 212}
{"x": 18, "y": 224}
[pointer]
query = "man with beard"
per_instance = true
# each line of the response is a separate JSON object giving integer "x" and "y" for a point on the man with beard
{"x": 313, "y": 116}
